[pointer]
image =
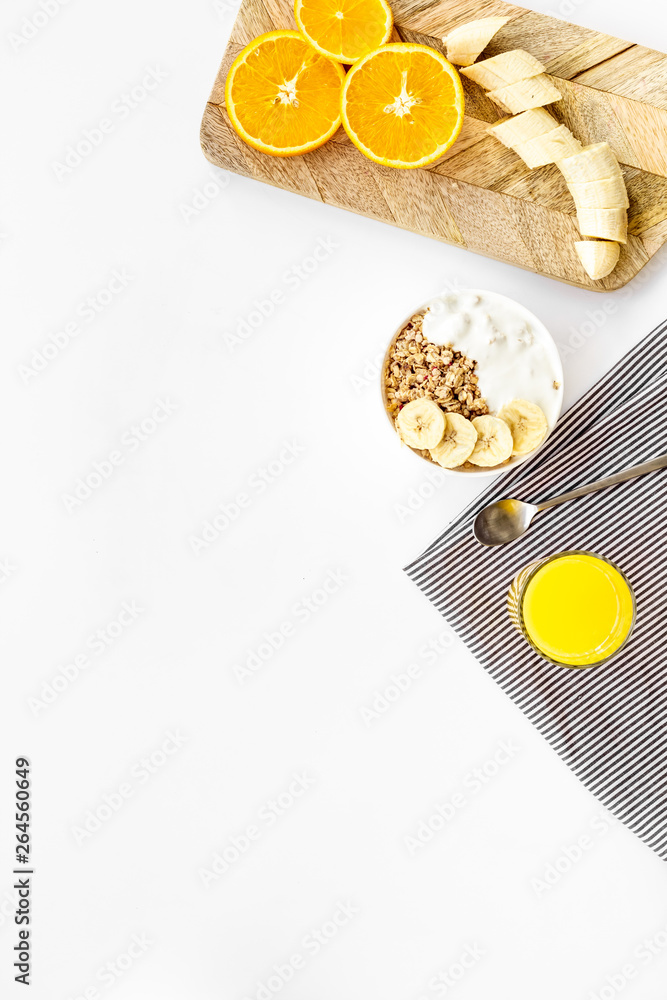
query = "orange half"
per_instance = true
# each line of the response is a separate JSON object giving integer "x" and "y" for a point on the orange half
{"x": 282, "y": 96}
{"x": 345, "y": 30}
{"x": 402, "y": 105}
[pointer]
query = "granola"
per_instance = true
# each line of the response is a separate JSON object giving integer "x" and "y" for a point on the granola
{"x": 416, "y": 368}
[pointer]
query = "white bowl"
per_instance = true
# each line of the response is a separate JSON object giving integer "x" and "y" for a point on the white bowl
{"x": 541, "y": 334}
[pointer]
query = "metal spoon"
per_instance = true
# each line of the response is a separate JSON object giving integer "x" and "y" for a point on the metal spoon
{"x": 505, "y": 520}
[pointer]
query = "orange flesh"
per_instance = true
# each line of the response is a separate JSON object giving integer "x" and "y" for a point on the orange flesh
{"x": 403, "y": 105}
{"x": 282, "y": 95}
{"x": 345, "y": 28}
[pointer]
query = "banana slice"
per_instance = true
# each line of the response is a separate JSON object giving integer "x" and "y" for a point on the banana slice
{"x": 528, "y": 125}
{"x": 494, "y": 442}
{"x": 527, "y": 423}
{"x": 598, "y": 257}
{"x": 421, "y": 423}
{"x": 457, "y": 444}
{"x": 608, "y": 193}
{"x": 547, "y": 148}
{"x": 594, "y": 163}
{"x": 466, "y": 42}
{"x": 508, "y": 67}
{"x": 607, "y": 223}
{"x": 526, "y": 94}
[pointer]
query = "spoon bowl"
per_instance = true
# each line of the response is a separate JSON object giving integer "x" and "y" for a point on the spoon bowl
{"x": 503, "y": 521}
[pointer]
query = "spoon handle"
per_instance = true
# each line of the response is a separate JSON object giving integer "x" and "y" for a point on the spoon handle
{"x": 620, "y": 477}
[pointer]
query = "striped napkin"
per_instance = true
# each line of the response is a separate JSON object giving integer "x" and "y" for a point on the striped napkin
{"x": 608, "y": 723}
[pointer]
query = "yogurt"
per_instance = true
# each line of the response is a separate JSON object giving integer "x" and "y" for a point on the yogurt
{"x": 516, "y": 357}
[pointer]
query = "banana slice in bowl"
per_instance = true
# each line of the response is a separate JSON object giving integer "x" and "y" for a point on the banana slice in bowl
{"x": 494, "y": 442}
{"x": 421, "y": 424}
{"x": 457, "y": 443}
{"x": 527, "y": 423}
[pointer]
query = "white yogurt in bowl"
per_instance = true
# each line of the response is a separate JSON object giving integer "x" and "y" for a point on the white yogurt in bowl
{"x": 515, "y": 355}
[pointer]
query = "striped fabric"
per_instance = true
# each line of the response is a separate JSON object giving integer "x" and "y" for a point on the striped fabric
{"x": 608, "y": 723}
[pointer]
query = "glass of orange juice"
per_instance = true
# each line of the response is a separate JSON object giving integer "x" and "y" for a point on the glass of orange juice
{"x": 576, "y": 609}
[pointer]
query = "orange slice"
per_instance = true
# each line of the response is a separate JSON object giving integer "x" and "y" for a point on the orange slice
{"x": 345, "y": 30}
{"x": 282, "y": 96}
{"x": 402, "y": 105}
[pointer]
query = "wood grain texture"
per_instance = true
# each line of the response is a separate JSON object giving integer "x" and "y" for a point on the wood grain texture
{"x": 480, "y": 195}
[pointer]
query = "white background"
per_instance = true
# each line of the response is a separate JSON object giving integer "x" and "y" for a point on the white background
{"x": 306, "y": 375}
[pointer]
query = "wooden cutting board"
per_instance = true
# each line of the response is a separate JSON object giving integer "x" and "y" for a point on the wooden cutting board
{"x": 480, "y": 195}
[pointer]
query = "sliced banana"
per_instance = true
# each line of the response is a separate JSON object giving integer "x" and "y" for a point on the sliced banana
{"x": 526, "y": 94}
{"x": 597, "y": 185}
{"x": 610, "y": 192}
{"x": 466, "y": 42}
{"x": 457, "y": 444}
{"x": 548, "y": 148}
{"x": 494, "y": 442}
{"x": 527, "y": 423}
{"x": 521, "y": 128}
{"x": 599, "y": 257}
{"x": 607, "y": 223}
{"x": 593, "y": 163}
{"x": 421, "y": 423}
{"x": 508, "y": 67}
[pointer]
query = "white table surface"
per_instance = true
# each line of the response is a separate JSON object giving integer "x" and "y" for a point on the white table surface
{"x": 501, "y": 902}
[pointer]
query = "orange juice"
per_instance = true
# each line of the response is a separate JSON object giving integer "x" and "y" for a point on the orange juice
{"x": 576, "y": 609}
